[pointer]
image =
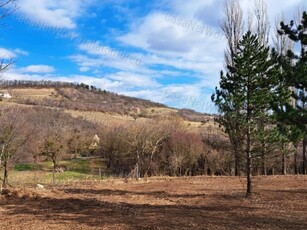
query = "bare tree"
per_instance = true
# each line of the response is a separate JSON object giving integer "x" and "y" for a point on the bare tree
{"x": 250, "y": 21}
{"x": 12, "y": 137}
{"x": 185, "y": 151}
{"x": 54, "y": 143}
{"x": 262, "y": 21}
{"x": 232, "y": 26}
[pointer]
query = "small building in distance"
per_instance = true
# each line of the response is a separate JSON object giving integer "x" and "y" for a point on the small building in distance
{"x": 95, "y": 142}
{"x": 5, "y": 95}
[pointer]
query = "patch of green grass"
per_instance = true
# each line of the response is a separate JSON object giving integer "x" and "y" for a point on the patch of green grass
{"x": 26, "y": 167}
{"x": 77, "y": 169}
{"x": 70, "y": 175}
{"x": 78, "y": 165}
{"x": 46, "y": 165}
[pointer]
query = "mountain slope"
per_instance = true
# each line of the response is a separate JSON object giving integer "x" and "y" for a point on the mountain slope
{"x": 93, "y": 104}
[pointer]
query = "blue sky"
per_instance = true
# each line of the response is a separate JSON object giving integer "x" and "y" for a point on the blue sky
{"x": 169, "y": 51}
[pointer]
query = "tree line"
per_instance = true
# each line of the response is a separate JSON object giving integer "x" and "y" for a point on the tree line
{"x": 157, "y": 146}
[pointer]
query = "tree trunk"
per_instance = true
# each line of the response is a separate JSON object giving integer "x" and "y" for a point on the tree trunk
{"x": 5, "y": 178}
{"x": 248, "y": 165}
{"x": 237, "y": 164}
{"x": 53, "y": 173}
{"x": 304, "y": 156}
{"x": 263, "y": 164}
{"x": 205, "y": 169}
{"x": 249, "y": 173}
{"x": 138, "y": 173}
{"x": 234, "y": 142}
{"x": 284, "y": 164}
{"x": 295, "y": 161}
{"x": 35, "y": 171}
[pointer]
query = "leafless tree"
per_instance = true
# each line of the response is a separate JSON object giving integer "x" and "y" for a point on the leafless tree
{"x": 232, "y": 26}
{"x": 185, "y": 151}
{"x": 54, "y": 140}
{"x": 262, "y": 21}
{"x": 12, "y": 136}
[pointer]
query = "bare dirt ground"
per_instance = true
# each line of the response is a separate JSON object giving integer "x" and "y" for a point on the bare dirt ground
{"x": 279, "y": 202}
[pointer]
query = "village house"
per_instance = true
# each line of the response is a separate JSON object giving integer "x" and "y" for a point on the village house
{"x": 5, "y": 95}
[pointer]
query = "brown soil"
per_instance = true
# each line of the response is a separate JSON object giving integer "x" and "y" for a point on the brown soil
{"x": 279, "y": 202}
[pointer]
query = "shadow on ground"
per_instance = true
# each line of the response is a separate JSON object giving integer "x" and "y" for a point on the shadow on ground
{"x": 94, "y": 213}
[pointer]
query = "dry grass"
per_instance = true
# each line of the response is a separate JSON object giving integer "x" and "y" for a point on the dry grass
{"x": 107, "y": 118}
{"x": 199, "y": 126}
{"x": 159, "y": 111}
{"x": 100, "y": 117}
{"x": 33, "y": 93}
{"x": 280, "y": 202}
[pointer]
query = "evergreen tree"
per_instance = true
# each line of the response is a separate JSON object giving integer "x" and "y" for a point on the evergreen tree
{"x": 245, "y": 94}
{"x": 295, "y": 70}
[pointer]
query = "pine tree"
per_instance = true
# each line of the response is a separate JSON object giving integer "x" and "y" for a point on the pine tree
{"x": 245, "y": 94}
{"x": 296, "y": 76}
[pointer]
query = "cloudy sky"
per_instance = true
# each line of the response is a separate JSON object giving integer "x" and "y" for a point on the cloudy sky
{"x": 169, "y": 51}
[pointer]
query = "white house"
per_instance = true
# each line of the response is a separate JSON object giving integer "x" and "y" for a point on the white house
{"x": 5, "y": 95}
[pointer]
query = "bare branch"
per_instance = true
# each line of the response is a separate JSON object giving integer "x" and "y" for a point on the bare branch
{"x": 262, "y": 21}
{"x": 232, "y": 26}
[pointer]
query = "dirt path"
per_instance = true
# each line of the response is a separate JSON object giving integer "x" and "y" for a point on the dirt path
{"x": 280, "y": 202}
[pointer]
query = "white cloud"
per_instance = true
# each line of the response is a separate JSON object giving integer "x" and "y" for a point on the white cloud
{"x": 97, "y": 57}
{"x": 84, "y": 69}
{"x": 6, "y": 54}
{"x": 21, "y": 52}
{"x": 178, "y": 96}
{"x": 132, "y": 80}
{"x": 170, "y": 40}
{"x": 59, "y": 14}
{"x": 37, "y": 69}
{"x": 106, "y": 52}
{"x": 11, "y": 54}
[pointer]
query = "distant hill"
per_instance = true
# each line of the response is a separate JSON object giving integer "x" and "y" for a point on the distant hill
{"x": 82, "y": 97}
{"x": 73, "y": 96}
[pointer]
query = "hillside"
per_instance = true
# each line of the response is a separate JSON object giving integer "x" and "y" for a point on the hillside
{"x": 92, "y": 103}
{"x": 95, "y": 123}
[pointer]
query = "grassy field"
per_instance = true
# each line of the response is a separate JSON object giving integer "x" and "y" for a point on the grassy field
{"x": 101, "y": 118}
{"x": 41, "y": 173}
{"x": 33, "y": 93}
{"x": 279, "y": 202}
